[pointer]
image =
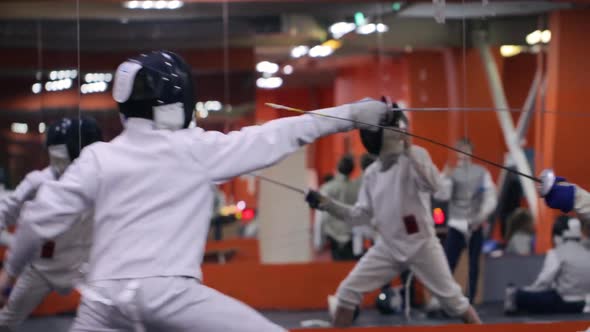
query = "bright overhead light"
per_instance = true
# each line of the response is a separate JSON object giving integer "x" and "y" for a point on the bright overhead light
{"x": 299, "y": 51}
{"x": 175, "y": 4}
{"x": 267, "y": 67}
{"x": 42, "y": 127}
{"x": 19, "y": 127}
{"x": 148, "y": 4}
{"x": 320, "y": 51}
{"x": 269, "y": 82}
{"x": 213, "y": 105}
{"x": 53, "y": 75}
{"x": 381, "y": 28}
{"x": 510, "y": 50}
{"x": 36, "y": 88}
{"x": 132, "y": 4}
{"x": 288, "y": 70}
{"x": 534, "y": 37}
{"x": 366, "y": 29}
{"x": 341, "y": 28}
{"x": 546, "y": 36}
{"x": 203, "y": 113}
{"x": 160, "y": 4}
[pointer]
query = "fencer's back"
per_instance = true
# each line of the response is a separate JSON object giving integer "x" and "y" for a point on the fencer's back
{"x": 152, "y": 206}
{"x": 572, "y": 279}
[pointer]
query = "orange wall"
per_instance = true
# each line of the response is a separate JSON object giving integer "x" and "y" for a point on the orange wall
{"x": 518, "y": 75}
{"x": 280, "y": 286}
{"x": 563, "y": 129}
{"x": 428, "y": 88}
{"x": 372, "y": 77}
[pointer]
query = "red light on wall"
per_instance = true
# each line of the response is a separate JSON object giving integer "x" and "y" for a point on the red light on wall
{"x": 439, "y": 216}
{"x": 248, "y": 214}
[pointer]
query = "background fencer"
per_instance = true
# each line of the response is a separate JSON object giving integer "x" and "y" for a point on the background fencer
{"x": 150, "y": 188}
{"x": 395, "y": 193}
{"x": 471, "y": 193}
{"x": 57, "y": 266}
{"x": 562, "y": 285}
{"x": 338, "y": 232}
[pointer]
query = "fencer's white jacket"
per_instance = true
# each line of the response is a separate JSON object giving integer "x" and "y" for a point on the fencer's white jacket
{"x": 386, "y": 197}
{"x": 151, "y": 192}
{"x": 582, "y": 204}
{"x": 566, "y": 269}
{"x": 471, "y": 194}
{"x": 62, "y": 270}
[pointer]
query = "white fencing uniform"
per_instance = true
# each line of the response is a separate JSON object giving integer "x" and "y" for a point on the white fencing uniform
{"x": 582, "y": 204}
{"x": 402, "y": 192}
{"x": 151, "y": 193}
{"x": 60, "y": 272}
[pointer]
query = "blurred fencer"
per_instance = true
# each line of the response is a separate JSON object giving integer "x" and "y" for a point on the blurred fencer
{"x": 395, "y": 195}
{"x": 339, "y": 232}
{"x": 150, "y": 188}
{"x": 562, "y": 286}
{"x": 58, "y": 265}
{"x": 471, "y": 193}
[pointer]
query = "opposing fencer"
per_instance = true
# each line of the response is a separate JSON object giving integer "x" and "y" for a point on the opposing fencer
{"x": 395, "y": 195}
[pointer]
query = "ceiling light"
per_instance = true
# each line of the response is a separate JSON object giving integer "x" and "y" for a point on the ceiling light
{"x": 320, "y": 51}
{"x": 267, "y": 67}
{"x": 534, "y": 37}
{"x": 175, "y": 4}
{"x": 161, "y": 4}
{"x": 148, "y": 4}
{"x": 341, "y": 28}
{"x": 366, "y": 29}
{"x": 510, "y": 50}
{"x": 546, "y": 36}
{"x": 269, "y": 82}
{"x": 213, "y": 105}
{"x": 36, "y": 88}
{"x": 19, "y": 128}
{"x": 299, "y": 51}
{"x": 288, "y": 70}
{"x": 132, "y": 4}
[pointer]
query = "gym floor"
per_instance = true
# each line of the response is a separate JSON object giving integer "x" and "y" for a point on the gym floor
{"x": 490, "y": 313}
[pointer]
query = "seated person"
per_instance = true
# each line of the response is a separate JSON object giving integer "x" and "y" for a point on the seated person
{"x": 563, "y": 283}
{"x": 520, "y": 232}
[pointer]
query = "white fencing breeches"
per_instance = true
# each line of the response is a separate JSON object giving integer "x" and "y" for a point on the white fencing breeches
{"x": 28, "y": 292}
{"x": 163, "y": 304}
{"x": 379, "y": 266}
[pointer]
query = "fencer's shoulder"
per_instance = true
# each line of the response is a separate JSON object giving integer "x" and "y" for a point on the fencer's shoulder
{"x": 419, "y": 151}
{"x": 37, "y": 177}
{"x": 372, "y": 170}
{"x": 198, "y": 134}
{"x": 97, "y": 147}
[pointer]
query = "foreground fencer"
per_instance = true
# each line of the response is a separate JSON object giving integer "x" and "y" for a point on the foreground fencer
{"x": 150, "y": 189}
{"x": 395, "y": 194}
{"x": 58, "y": 265}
